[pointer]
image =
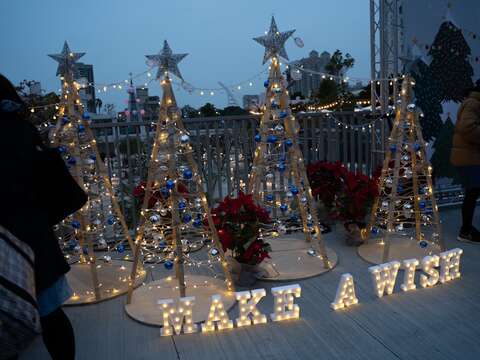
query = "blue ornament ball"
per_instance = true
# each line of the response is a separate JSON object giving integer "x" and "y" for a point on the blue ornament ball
{"x": 283, "y": 114}
{"x": 284, "y": 207}
{"x": 416, "y": 146}
{"x": 422, "y": 204}
{"x": 269, "y": 197}
{"x": 272, "y": 139}
{"x": 187, "y": 218}
{"x": 182, "y": 205}
{"x": 288, "y": 142}
{"x": 170, "y": 184}
{"x": 282, "y": 167}
{"x": 162, "y": 244}
{"x": 374, "y": 230}
{"x": 86, "y": 115}
{"x": 423, "y": 244}
{"x": 81, "y": 128}
{"x": 165, "y": 193}
{"x": 76, "y": 224}
{"x": 393, "y": 148}
{"x": 266, "y": 83}
{"x": 65, "y": 120}
{"x": 258, "y": 138}
{"x": 121, "y": 248}
{"x": 197, "y": 222}
{"x": 294, "y": 190}
{"x": 62, "y": 149}
{"x": 111, "y": 220}
{"x": 168, "y": 265}
{"x": 85, "y": 250}
{"x": 187, "y": 174}
{"x": 93, "y": 157}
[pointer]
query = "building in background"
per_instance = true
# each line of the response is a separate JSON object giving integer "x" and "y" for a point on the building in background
{"x": 84, "y": 73}
{"x": 309, "y": 83}
{"x": 150, "y": 104}
{"x": 250, "y": 101}
{"x": 35, "y": 88}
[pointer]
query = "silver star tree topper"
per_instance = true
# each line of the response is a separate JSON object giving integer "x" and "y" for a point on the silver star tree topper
{"x": 166, "y": 61}
{"x": 274, "y": 42}
{"x": 66, "y": 60}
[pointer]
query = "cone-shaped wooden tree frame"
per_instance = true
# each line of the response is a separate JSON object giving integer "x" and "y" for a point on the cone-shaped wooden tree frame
{"x": 278, "y": 180}
{"x": 99, "y": 228}
{"x": 174, "y": 214}
{"x": 405, "y": 222}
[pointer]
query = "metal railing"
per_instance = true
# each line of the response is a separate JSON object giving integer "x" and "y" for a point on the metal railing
{"x": 224, "y": 147}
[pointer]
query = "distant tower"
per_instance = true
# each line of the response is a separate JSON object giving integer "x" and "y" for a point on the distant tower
{"x": 133, "y": 114}
{"x": 231, "y": 99}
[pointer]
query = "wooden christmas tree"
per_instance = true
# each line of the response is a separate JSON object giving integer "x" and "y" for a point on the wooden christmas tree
{"x": 278, "y": 178}
{"x": 175, "y": 215}
{"x": 405, "y": 221}
{"x": 99, "y": 225}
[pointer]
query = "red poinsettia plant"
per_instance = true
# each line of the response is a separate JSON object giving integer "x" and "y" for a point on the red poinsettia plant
{"x": 237, "y": 221}
{"x": 348, "y": 195}
{"x": 139, "y": 193}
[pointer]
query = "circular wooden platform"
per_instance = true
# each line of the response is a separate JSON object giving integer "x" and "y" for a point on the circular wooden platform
{"x": 290, "y": 260}
{"x": 113, "y": 277}
{"x": 144, "y": 307}
{"x": 400, "y": 249}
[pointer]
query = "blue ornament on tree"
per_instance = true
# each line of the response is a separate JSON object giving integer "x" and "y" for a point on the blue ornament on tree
{"x": 170, "y": 184}
{"x": 65, "y": 120}
{"x": 258, "y": 138}
{"x": 272, "y": 139}
{"x": 416, "y": 147}
{"x": 76, "y": 224}
{"x": 374, "y": 230}
{"x": 423, "y": 244}
{"x": 168, "y": 265}
{"x": 120, "y": 248}
{"x": 93, "y": 157}
{"x": 187, "y": 174}
{"x": 197, "y": 222}
{"x": 422, "y": 204}
{"x": 162, "y": 244}
{"x": 81, "y": 128}
{"x": 86, "y": 115}
{"x": 85, "y": 250}
{"x": 282, "y": 167}
{"x": 283, "y": 114}
{"x": 266, "y": 83}
{"x": 284, "y": 207}
{"x": 269, "y": 197}
{"x": 184, "y": 139}
{"x": 187, "y": 218}
{"x": 288, "y": 143}
{"x": 165, "y": 193}
{"x": 182, "y": 205}
{"x": 393, "y": 148}
{"x": 111, "y": 220}
{"x": 294, "y": 190}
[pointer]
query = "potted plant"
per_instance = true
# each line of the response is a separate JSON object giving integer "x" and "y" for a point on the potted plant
{"x": 348, "y": 196}
{"x": 238, "y": 222}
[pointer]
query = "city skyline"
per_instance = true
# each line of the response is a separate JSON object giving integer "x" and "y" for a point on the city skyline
{"x": 216, "y": 34}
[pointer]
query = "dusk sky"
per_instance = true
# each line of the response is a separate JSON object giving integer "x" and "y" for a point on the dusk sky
{"x": 217, "y": 34}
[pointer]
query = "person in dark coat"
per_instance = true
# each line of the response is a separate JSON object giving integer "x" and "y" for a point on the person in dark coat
{"x": 25, "y": 210}
{"x": 465, "y": 156}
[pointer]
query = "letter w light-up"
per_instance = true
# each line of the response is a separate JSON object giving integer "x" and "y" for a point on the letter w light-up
{"x": 384, "y": 277}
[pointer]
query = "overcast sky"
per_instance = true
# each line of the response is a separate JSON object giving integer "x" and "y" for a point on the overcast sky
{"x": 217, "y": 34}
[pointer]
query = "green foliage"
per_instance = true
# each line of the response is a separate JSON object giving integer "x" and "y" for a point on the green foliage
{"x": 339, "y": 64}
{"x": 233, "y": 110}
{"x": 327, "y": 92}
{"x": 208, "y": 110}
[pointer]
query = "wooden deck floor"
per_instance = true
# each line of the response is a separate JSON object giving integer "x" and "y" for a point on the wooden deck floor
{"x": 442, "y": 322}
